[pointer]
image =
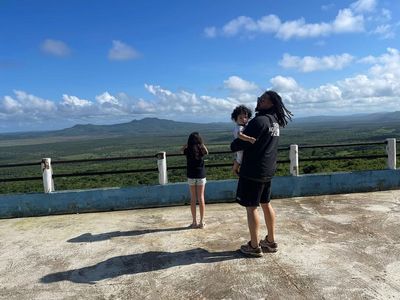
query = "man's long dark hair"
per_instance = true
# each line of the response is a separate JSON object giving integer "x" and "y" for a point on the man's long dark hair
{"x": 283, "y": 115}
{"x": 194, "y": 146}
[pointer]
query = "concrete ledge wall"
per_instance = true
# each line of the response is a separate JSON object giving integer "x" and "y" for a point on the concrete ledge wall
{"x": 78, "y": 201}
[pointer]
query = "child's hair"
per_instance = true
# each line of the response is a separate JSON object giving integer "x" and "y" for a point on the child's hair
{"x": 241, "y": 109}
{"x": 282, "y": 113}
{"x": 194, "y": 146}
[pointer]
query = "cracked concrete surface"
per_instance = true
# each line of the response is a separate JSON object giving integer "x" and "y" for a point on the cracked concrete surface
{"x": 334, "y": 246}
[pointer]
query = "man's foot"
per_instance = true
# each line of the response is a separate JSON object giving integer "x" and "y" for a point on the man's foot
{"x": 249, "y": 250}
{"x": 268, "y": 246}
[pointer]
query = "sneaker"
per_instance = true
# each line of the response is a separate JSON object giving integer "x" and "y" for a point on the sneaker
{"x": 249, "y": 250}
{"x": 268, "y": 246}
{"x": 201, "y": 225}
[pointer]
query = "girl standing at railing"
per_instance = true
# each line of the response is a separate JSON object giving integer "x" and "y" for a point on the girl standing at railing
{"x": 195, "y": 150}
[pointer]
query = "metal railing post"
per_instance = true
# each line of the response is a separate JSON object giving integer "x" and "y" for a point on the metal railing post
{"x": 162, "y": 168}
{"x": 294, "y": 160}
{"x": 47, "y": 173}
{"x": 391, "y": 153}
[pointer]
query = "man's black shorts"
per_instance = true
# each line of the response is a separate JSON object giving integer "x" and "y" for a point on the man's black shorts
{"x": 252, "y": 193}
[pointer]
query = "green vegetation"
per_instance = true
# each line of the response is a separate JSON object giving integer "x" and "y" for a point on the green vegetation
{"x": 82, "y": 145}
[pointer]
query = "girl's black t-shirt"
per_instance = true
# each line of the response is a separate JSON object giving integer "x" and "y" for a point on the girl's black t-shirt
{"x": 195, "y": 167}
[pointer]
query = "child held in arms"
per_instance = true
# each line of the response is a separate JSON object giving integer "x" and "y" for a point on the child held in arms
{"x": 241, "y": 116}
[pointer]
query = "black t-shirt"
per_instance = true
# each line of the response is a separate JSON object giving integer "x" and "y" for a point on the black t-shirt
{"x": 195, "y": 166}
{"x": 259, "y": 159}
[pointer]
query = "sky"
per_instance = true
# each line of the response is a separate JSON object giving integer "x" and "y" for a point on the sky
{"x": 70, "y": 62}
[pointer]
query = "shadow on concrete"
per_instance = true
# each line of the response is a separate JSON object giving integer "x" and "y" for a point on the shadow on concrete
{"x": 88, "y": 237}
{"x": 139, "y": 263}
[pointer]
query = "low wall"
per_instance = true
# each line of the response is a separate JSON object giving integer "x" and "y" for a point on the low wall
{"x": 107, "y": 199}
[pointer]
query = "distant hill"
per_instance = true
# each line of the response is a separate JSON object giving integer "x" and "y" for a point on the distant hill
{"x": 163, "y": 127}
{"x": 151, "y": 126}
{"x": 356, "y": 118}
{"x": 146, "y": 126}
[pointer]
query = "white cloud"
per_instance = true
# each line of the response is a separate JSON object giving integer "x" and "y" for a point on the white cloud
{"x": 55, "y": 47}
{"x": 299, "y": 29}
{"x": 363, "y": 86}
{"x": 237, "y": 84}
{"x": 311, "y": 63}
{"x": 385, "y": 65}
{"x": 175, "y": 104}
{"x": 385, "y": 31}
{"x": 73, "y": 101}
{"x": 302, "y": 100}
{"x": 121, "y": 107}
{"x": 381, "y": 26}
{"x": 143, "y": 107}
{"x": 26, "y": 106}
{"x": 282, "y": 84}
{"x": 362, "y": 6}
{"x": 108, "y": 104}
{"x": 106, "y": 98}
{"x": 378, "y": 88}
{"x": 10, "y": 106}
{"x": 121, "y": 51}
{"x": 269, "y": 23}
{"x": 169, "y": 102}
{"x": 347, "y": 20}
{"x": 368, "y": 60}
{"x": 240, "y": 23}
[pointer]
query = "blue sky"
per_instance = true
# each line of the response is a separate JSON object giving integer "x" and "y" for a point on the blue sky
{"x": 103, "y": 62}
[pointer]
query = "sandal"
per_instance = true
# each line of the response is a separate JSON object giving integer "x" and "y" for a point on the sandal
{"x": 193, "y": 226}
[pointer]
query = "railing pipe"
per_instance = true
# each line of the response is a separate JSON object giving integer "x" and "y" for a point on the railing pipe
{"x": 294, "y": 160}
{"x": 391, "y": 153}
{"x": 47, "y": 173}
{"x": 340, "y": 145}
{"x": 162, "y": 168}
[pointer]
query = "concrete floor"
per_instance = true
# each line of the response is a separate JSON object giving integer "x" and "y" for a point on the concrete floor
{"x": 339, "y": 246}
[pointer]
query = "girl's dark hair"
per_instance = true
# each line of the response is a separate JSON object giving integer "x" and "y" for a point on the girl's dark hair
{"x": 241, "y": 109}
{"x": 194, "y": 146}
{"x": 282, "y": 113}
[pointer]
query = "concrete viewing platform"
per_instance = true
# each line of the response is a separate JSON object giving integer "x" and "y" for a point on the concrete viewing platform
{"x": 343, "y": 246}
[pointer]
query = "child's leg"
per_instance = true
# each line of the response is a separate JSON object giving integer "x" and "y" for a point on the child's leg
{"x": 237, "y": 162}
{"x": 193, "y": 203}
{"x": 202, "y": 204}
{"x": 235, "y": 167}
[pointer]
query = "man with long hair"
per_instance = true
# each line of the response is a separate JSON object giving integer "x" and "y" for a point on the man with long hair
{"x": 257, "y": 169}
